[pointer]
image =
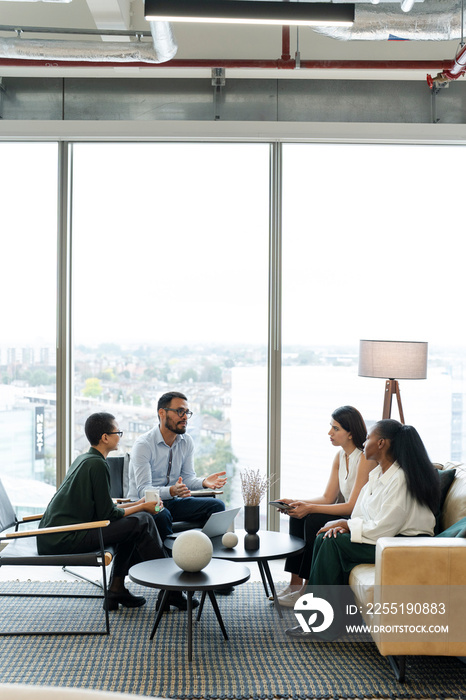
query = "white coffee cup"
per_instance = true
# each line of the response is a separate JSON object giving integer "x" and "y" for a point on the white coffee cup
{"x": 152, "y": 495}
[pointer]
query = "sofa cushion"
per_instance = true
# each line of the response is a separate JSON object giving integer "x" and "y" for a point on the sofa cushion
{"x": 454, "y": 507}
{"x": 456, "y": 530}
{"x": 446, "y": 479}
{"x": 361, "y": 581}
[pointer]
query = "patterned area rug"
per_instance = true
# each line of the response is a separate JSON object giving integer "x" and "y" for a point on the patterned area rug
{"x": 257, "y": 661}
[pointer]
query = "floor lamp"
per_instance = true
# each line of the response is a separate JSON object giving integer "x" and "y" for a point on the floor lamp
{"x": 392, "y": 360}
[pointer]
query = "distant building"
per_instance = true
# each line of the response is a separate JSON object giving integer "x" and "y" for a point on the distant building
{"x": 11, "y": 356}
{"x": 27, "y": 356}
{"x": 215, "y": 429}
{"x": 22, "y": 444}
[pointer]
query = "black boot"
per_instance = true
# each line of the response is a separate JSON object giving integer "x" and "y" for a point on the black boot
{"x": 125, "y": 598}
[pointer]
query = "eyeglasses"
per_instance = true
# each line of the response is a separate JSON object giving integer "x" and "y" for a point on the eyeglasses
{"x": 116, "y": 432}
{"x": 181, "y": 412}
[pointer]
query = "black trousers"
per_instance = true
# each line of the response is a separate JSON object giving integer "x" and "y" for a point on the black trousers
{"x": 306, "y": 528}
{"x": 134, "y": 537}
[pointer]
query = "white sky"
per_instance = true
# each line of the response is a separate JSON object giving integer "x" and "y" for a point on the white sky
{"x": 171, "y": 243}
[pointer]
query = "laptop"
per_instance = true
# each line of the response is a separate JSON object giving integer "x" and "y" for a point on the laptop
{"x": 217, "y": 524}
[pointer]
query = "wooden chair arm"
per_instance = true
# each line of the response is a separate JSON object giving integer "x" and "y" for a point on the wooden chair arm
{"x": 60, "y": 528}
{"x": 30, "y": 518}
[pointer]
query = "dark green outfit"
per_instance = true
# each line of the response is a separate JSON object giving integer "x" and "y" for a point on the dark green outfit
{"x": 334, "y": 558}
{"x": 84, "y": 496}
{"x": 332, "y": 561}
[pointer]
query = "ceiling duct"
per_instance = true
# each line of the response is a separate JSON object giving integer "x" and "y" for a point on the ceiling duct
{"x": 432, "y": 20}
{"x": 165, "y": 45}
{"x": 163, "y": 49}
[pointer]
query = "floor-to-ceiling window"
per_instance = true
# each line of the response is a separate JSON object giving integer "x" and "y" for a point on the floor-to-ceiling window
{"x": 170, "y": 284}
{"x": 371, "y": 250}
{"x": 170, "y": 293}
{"x": 28, "y": 280}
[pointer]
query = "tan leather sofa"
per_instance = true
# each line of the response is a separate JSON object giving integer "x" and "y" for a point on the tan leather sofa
{"x": 424, "y": 571}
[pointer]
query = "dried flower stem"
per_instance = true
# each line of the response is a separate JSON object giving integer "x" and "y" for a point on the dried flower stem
{"x": 254, "y": 486}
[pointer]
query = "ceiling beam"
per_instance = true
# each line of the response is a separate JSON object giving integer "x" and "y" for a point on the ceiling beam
{"x": 111, "y": 14}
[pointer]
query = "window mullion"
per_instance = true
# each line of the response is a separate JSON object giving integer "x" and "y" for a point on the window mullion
{"x": 274, "y": 333}
{"x": 64, "y": 345}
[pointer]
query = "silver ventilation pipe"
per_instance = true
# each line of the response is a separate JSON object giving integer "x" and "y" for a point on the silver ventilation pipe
{"x": 407, "y": 5}
{"x": 165, "y": 45}
{"x": 162, "y": 49}
{"x": 432, "y": 20}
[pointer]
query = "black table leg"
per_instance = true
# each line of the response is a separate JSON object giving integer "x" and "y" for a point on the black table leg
{"x": 213, "y": 600}
{"x": 201, "y": 606}
{"x": 160, "y": 613}
{"x": 190, "y": 625}
{"x": 272, "y": 586}
{"x": 262, "y": 573}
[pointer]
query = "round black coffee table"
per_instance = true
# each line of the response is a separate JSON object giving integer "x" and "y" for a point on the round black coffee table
{"x": 273, "y": 545}
{"x": 166, "y": 575}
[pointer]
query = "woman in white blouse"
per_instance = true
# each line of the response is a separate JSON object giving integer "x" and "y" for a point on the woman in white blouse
{"x": 350, "y": 470}
{"x": 400, "y": 499}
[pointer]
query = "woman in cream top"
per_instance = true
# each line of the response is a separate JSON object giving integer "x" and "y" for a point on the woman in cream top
{"x": 347, "y": 471}
{"x": 350, "y": 471}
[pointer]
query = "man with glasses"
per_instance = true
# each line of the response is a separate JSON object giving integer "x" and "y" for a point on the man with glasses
{"x": 163, "y": 458}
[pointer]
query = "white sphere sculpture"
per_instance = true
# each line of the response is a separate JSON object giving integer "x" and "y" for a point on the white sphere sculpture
{"x": 192, "y": 550}
{"x": 230, "y": 540}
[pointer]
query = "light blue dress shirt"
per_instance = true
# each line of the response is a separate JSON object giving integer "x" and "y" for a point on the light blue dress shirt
{"x": 149, "y": 464}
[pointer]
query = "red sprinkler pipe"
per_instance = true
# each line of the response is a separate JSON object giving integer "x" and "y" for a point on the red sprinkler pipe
{"x": 237, "y": 63}
{"x": 453, "y": 73}
{"x": 459, "y": 66}
{"x": 286, "y": 44}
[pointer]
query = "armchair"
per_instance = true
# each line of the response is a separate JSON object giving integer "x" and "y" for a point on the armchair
{"x": 19, "y": 548}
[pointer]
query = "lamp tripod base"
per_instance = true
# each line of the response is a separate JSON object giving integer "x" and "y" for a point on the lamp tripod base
{"x": 392, "y": 388}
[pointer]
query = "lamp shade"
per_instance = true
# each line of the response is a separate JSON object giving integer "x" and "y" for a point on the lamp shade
{"x": 251, "y": 12}
{"x": 392, "y": 359}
